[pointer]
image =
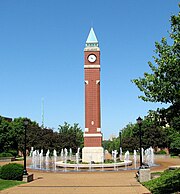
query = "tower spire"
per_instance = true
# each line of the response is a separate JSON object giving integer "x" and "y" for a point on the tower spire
{"x": 92, "y": 39}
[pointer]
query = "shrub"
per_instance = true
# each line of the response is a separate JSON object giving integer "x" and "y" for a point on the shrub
{"x": 108, "y": 161}
{"x": 168, "y": 182}
{"x": 161, "y": 152}
{"x": 13, "y": 152}
{"x": 5, "y": 154}
{"x": 11, "y": 171}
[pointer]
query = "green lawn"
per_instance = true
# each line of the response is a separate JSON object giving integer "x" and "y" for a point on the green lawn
{"x": 4, "y": 184}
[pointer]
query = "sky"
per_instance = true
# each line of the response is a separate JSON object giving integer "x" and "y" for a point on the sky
{"x": 42, "y": 57}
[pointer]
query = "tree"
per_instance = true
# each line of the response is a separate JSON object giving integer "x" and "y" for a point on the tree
{"x": 17, "y": 132}
{"x": 175, "y": 143}
{"x": 152, "y": 132}
{"x": 163, "y": 85}
{"x": 70, "y": 136}
{"x": 5, "y": 139}
{"x": 111, "y": 145}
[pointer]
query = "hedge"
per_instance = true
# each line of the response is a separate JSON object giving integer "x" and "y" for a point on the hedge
{"x": 11, "y": 171}
{"x": 168, "y": 182}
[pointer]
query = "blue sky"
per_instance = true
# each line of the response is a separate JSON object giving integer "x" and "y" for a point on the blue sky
{"x": 41, "y": 56}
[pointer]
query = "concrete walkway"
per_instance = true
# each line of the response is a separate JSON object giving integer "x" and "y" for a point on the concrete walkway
{"x": 81, "y": 183}
{"x": 121, "y": 182}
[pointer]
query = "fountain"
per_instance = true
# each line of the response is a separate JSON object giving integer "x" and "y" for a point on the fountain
{"x": 55, "y": 158}
{"x": 77, "y": 161}
{"x": 135, "y": 159}
{"x": 61, "y": 163}
{"x": 33, "y": 159}
{"x": 90, "y": 162}
{"x": 41, "y": 158}
{"x": 55, "y": 163}
{"x": 35, "y": 155}
{"x": 31, "y": 152}
{"x": 65, "y": 159}
{"x": 102, "y": 161}
{"x": 142, "y": 151}
{"x": 126, "y": 159}
{"x": 152, "y": 155}
{"x": 114, "y": 157}
{"x": 120, "y": 154}
{"x": 47, "y": 160}
{"x": 62, "y": 154}
{"x": 149, "y": 156}
{"x": 70, "y": 154}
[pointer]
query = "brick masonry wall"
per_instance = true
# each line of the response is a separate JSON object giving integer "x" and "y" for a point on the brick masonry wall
{"x": 87, "y": 53}
{"x": 92, "y": 101}
{"x": 93, "y": 141}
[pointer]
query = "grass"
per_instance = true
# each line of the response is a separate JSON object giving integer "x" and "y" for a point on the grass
{"x": 19, "y": 158}
{"x": 156, "y": 173}
{"x": 4, "y": 184}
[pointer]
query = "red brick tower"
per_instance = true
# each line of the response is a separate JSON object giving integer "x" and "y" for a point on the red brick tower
{"x": 92, "y": 136}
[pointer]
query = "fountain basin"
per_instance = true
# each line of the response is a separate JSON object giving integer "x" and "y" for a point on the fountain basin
{"x": 60, "y": 164}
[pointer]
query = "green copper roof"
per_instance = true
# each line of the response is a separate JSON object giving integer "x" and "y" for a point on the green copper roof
{"x": 91, "y": 37}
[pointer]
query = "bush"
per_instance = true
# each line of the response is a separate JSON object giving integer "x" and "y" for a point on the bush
{"x": 168, "y": 182}
{"x": 5, "y": 154}
{"x": 11, "y": 171}
{"x": 161, "y": 152}
{"x": 108, "y": 161}
{"x": 13, "y": 152}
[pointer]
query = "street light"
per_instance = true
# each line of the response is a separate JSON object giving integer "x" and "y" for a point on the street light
{"x": 120, "y": 138}
{"x": 139, "y": 122}
{"x": 25, "y": 127}
{"x": 120, "y": 149}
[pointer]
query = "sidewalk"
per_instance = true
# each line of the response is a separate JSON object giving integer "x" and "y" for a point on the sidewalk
{"x": 122, "y": 182}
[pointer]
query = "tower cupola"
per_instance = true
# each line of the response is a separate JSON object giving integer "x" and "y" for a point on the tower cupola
{"x": 92, "y": 39}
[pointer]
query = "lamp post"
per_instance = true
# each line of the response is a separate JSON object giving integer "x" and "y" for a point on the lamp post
{"x": 120, "y": 138}
{"x": 139, "y": 122}
{"x": 25, "y": 129}
{"x": 120, "y": 149}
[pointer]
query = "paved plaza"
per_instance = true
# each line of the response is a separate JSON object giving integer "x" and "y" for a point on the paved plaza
{"x": 120, "y": 182}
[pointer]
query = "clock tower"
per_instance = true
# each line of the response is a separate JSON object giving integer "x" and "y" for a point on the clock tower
{"x": 92, "y": 150}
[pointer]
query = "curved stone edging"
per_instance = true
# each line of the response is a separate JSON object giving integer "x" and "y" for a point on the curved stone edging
{"x": 110, "y": 165}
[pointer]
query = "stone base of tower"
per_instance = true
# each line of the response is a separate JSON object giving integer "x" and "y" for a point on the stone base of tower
{"x": 95, "y": 154}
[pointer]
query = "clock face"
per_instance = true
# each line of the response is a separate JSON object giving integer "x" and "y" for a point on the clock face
{"x": 92, "y": 58}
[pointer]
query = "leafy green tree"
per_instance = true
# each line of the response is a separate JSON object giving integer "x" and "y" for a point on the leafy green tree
{"x": 12, "y": 136}
{"x": 128, "y": 130}
{"x": 5, "y": 139}
{"x": 163, "y": 84}
{"x": 152, "y": 132}
{"x": 18, "y": 130}
{"x": 173, "y": 140}
{"x": 130, "y": 144}
{"x": 111, "y": 145}
{"x": 70, "y": 136}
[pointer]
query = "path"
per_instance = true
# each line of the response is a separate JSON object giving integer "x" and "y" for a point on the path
{"x": 80, "y": 183}
{"x": 121, "y": 182}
